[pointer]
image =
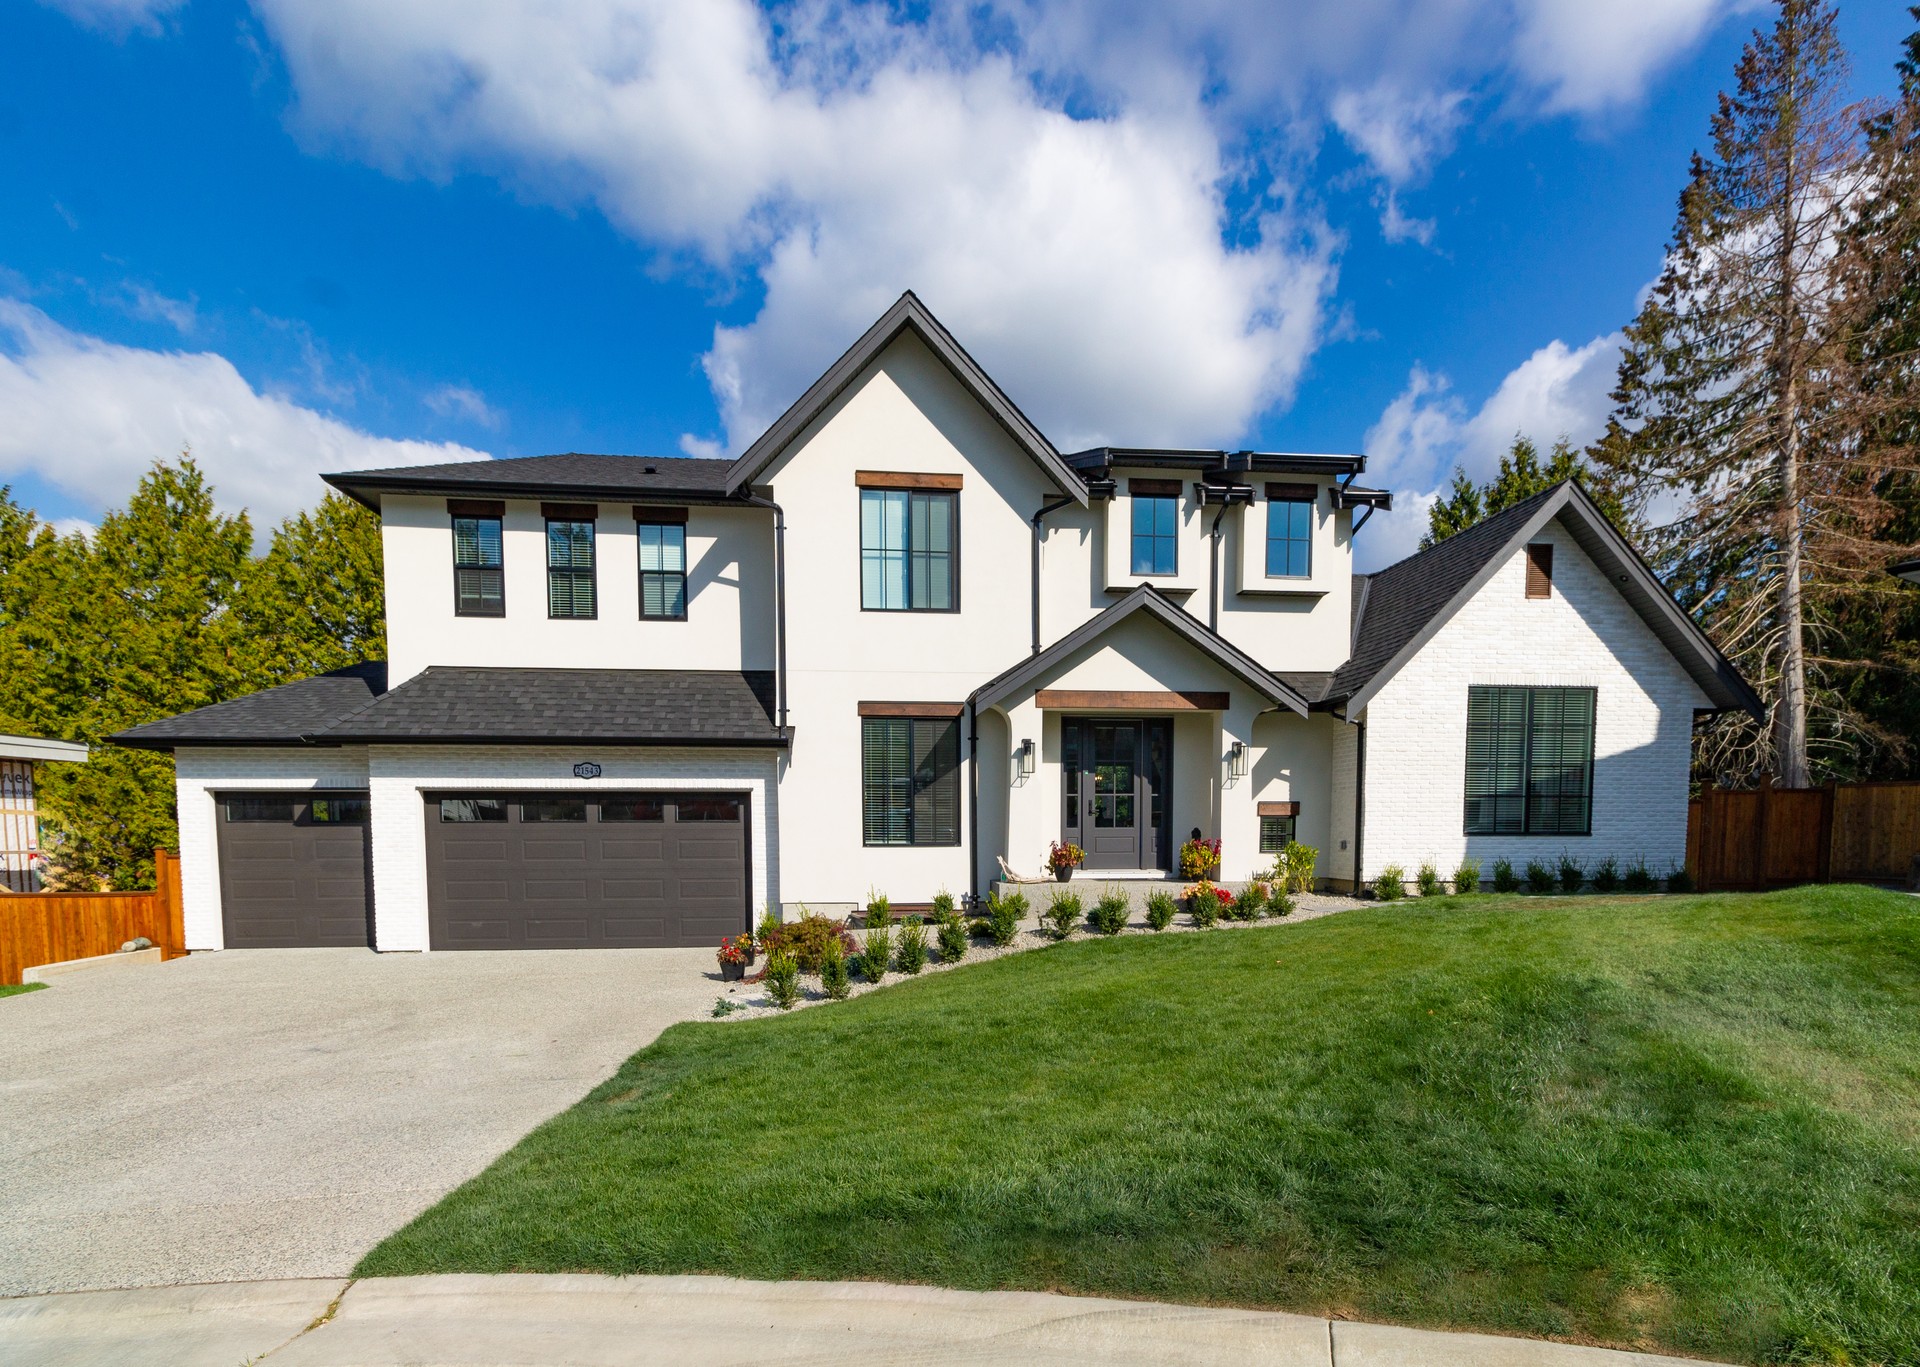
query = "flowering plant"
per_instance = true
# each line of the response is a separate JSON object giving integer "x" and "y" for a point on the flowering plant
{"x": 1065, "y": 857}
{"x": 1199, "y": 858}
{"x": 737, "y": 949}
{"x": 1206, "y": 889}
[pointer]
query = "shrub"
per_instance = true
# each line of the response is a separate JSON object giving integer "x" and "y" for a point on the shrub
{"x": 1638, "y": 877}
{"x": 1466, "y": 877}
{"x": 833, "y": 972}
{"x": 1109, "y": 914}
{"x": 1203, "y": 903}
{"x": 952, "y": 935}
{"x": 1248, "y": 904}
{"x": 1541, "y": 878}
{"x": 806, "y": 939}
{"x": 944, "y": 907}
{"x": 879, "y": 909}
{"x": 876, "y": 954}
{"x": 1679, "y": 880}
{"x": 1572, "y": 873}
{"x": 1391, "y": 884}
{"x": 1429, "y": 880}
{"x": 1003, "y": 918}
{"x": 1199, "y": 858}
{"x": 1504, "y": 879}
{"x": 1606, "y": 875}
{"x": 1279, "y": 903}
{"x": 769, "y": 924}
{"x": 1295, "y": 866}
{"x": 911, "y": 956}
{"x": 1062, "y": 914}
{"x": 783, "y": 980}
{"x": 1160, "y": 910}
{"x": 725, "y": 1006}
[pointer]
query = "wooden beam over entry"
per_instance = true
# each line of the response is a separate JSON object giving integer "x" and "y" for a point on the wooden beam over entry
{"x": 1095, "y": 700}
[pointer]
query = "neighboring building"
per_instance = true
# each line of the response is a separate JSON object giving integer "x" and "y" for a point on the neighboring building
{"x": 20, "y": 859}
{"x": 902, "y": 638}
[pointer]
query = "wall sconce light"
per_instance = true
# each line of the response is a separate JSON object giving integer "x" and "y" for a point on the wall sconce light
{"x": 1237, "y": 760}
{"x": 1025, "y": 757}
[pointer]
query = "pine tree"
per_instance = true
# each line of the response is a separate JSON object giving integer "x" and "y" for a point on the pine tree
{"x": 1520, "y": 477}
{"x": 316, "y": 601}
{"x": 1459, "y": 510}
{"x": 1726, "y": 440}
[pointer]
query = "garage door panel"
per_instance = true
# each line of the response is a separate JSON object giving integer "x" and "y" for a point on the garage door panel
{"x": 289, "y": 881}
{"x": 597, "y": 884}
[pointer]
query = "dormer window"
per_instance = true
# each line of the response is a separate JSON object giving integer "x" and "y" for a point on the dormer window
{"x": 1156, "y": 525}
{"x": 479, "y": 576}
{"x": 570, "y": 586}
{"x": 1290, "y": 510}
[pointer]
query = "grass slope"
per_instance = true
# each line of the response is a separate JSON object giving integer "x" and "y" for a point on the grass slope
{"x": 1685, "y": 1123}
{"x": 15, "y": 989}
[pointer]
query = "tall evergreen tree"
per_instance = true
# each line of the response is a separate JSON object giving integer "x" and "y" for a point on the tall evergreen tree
{"x": 1726, "y": 441}
{"x": 1521, "y": 476}
{"x": 316, "y": 601}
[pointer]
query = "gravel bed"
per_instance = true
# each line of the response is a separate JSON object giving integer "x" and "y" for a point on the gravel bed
{"x": 750, "y": 999}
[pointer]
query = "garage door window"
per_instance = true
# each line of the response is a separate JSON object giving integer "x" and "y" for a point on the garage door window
{"x": 339, "y": 811}
{"x": 707, "y": 809}
{"x": 463, "y": 809}
{"x": 554, "y": 809}
{"x": 259, "y": 809}
{"x": 632, "y": 809}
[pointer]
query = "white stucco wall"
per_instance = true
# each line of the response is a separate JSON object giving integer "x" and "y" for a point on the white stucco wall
{"x": 400, "y": 776}
{"x": 201, "y": 775}
{"x": 1585, "y": 634}
{"x": 730, "y": 613}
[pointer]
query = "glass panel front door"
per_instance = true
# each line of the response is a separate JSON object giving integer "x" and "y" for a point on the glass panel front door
{"x": 1114, "y": 788}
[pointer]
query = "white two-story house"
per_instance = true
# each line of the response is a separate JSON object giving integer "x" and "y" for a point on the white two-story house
{"x": 902, "y": 640}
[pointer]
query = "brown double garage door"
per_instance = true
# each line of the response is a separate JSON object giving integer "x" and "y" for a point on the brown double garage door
{"x": 585, "y": 871}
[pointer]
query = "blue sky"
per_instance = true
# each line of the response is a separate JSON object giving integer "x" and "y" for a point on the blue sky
{"x": 311, "y": 234}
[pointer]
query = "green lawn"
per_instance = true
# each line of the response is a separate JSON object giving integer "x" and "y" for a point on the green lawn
{"x": 15, "y": 989}
{"x": 1690, "y": 1124}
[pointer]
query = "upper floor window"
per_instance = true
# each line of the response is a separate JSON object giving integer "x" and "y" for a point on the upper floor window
{"x": 479, "y": 577}
{"x": 1529, "y": 761}
{"x": 662, "y": 534}
{"x": 909, "y": 550}
{"x": 1156, "y": 525}
{"x": 570, "y": 559}
{"x": 1290, "y": 509}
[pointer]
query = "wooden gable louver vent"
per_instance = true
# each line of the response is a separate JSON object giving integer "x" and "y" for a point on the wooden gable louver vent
{"x": 1540, "y": 571}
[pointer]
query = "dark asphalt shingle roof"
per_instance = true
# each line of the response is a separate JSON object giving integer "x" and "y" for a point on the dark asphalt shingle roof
{"x": 1398, "y": 602}
{"x": 609, "y": 706}
{"x": 274, "y": 716}
{"x": 548, "y": 476}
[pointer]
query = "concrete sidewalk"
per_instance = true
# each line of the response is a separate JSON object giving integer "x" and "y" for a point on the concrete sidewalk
{"x": 479, "y": 1321}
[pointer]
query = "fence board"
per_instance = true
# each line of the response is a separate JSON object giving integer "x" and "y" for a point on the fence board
{"x": 1876, "y": 830}
{"x": 1777, "y": 837}
{"x": 53, "y": 927}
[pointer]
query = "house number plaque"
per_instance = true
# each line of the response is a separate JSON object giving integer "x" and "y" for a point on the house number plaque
{"x": 586, "y": 768}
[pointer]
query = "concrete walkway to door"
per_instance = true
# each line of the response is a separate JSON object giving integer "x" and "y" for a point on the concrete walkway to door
{"x": 263, "y": 1114}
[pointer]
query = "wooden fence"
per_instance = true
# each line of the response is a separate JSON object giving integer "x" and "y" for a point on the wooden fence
{"x": 52, "y": 927}
{"x": 1771, "y": 837}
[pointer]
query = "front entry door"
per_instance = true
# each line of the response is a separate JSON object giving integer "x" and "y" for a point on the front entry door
{"x": 1116, "y": 773}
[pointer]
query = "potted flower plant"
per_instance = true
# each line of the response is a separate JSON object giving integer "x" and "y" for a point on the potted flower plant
{"x": 736, "y": 954}
{"x": 1199, "y": 858}
{"x": 1064, "y": 859}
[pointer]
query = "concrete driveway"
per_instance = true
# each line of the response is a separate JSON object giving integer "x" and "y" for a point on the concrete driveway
{"x": 262, "y": 1114}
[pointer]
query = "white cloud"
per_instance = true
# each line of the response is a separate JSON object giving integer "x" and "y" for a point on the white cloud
{"x": 89, "y": 416}
{"x": 118, "y": 17}
{"x": 1413, "y": 447}
{"x": 1400, "y": 133}
{"x": 1590, "y": 56}
{"x": 145, "y": 302}
{"x": 464, "y": 402}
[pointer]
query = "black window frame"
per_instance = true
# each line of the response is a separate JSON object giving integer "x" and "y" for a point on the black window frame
{"x": 1291, "y": 825}
{"x": 1172, "y": 538}
{"x": 908, "y": 799}
{"x": 1524, "y": 729}
{"x": 910, "y": 557}
{"x": 663, "y": 525}
{"x": 574, "y": 573}
{"x": 478, "y": 572}
{"x": 1278, "y": 499}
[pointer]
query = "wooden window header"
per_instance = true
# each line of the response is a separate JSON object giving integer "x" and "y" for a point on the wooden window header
{"x": 1068, "y": 699}
{"x": 912, "y": 709}
{"x": 1540, "y": 570}
{"x": 1153, "y": 488}
{"x": 892, "y": 479}
{"x": 476, "y": 507}
{"x": 1293, "y": 493}
{"x": 651, "y": 512}
{"x": 570, "y": 512}
{"x": 1279, "y": 809}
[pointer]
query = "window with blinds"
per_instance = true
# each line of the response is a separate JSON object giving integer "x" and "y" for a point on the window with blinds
{"x": 663, "y": 570}
{"x": 569, "y": 568}
{"x": 479, "y": 579}
{"x": 910, "y": 781}
{"x": 907, "y": 550}
{"x": 1529, "y": 761}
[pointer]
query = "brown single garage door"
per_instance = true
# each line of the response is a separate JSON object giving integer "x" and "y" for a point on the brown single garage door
{"x": 293, "y": 870}
{"x": 585, "y": 871}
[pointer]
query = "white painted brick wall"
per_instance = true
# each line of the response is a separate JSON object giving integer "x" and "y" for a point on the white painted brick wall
{"x": 199, "y": 775}
{"x": 1336, "y": 861}
{"x": 1585, "y": 634}
{"x": 400, "y": 774}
